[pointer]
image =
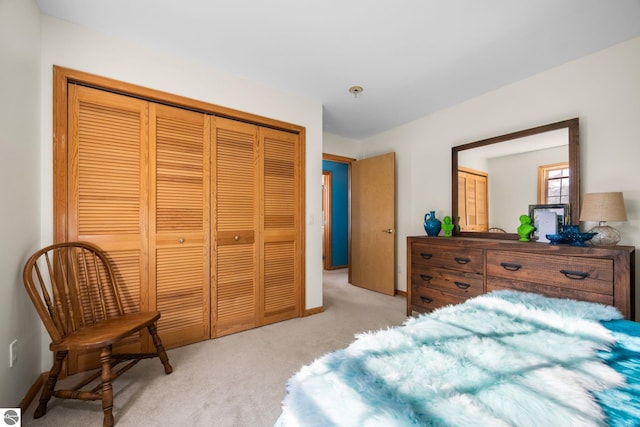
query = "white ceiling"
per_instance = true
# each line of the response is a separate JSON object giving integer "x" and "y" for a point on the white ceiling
{"x": 412, "y": 57}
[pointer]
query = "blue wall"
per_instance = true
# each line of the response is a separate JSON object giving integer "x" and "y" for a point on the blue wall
{"x": 340, "y": 212}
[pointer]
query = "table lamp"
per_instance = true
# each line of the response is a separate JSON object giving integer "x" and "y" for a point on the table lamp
{"x": 603, "y": 207}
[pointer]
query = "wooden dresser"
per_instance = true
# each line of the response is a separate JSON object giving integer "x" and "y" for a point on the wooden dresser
{"x": 448, "y": 270}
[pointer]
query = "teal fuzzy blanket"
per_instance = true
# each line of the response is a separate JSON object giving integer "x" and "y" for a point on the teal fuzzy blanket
{"x": 502, "y": 359}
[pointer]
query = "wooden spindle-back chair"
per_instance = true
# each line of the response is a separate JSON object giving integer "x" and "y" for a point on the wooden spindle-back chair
{"x": 73, "y": 288}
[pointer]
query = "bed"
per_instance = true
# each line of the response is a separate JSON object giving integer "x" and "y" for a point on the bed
{"x": 506, "y": 358}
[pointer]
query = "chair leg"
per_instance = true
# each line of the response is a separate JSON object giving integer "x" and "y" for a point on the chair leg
{"x": 160, "y": 349}
{"x": 107, "y": 389}
{"x": 50, "y": 385}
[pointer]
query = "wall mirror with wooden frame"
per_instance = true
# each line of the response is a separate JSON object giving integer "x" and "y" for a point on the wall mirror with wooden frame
{"x": 494, "y": 180}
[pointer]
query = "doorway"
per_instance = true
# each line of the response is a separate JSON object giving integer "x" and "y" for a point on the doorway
{"x": 336, "y": 192}
{"x": 366, "y": 190}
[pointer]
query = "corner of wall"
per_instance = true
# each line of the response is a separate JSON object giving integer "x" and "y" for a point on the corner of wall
{"x": 20, "y": 166}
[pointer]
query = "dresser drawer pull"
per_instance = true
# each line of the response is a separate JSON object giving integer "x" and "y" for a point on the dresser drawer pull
{"x": 462, "y": 285}
{"x": 575, "y": 275}
{"x": 426, "y": 278}
{"x": 426, "y": 299}
{"x": 510, "y": 266}
{"x": 425, "y": 255}
{"x": 460, "y": 260}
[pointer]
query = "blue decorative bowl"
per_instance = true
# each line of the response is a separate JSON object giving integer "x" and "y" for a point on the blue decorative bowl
{"x": 572, "y": 235}
{"x": 580, "y": 239}
{"x": 555, "y": 239}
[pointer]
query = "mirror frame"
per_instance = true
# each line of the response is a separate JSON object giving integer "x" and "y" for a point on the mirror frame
{"x": 573, "y": 127}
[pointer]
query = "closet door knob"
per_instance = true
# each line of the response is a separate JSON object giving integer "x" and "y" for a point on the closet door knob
{"x": 236, "y": 237}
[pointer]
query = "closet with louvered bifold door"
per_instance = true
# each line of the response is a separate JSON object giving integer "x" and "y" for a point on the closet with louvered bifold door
{"x": 257, "y": 257}
{"x": 201, "y": 215}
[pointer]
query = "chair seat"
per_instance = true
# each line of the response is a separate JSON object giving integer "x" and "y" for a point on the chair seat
{"x": 106, "y": 332}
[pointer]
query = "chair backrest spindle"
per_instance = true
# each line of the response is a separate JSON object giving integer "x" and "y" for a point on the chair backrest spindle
{"x": 99, "y": 281}
{"x": 56, "y": 323}
{"x": 88, "y": 310}
{"x": 62, "y": 263}
{"x": 73, "y": 288}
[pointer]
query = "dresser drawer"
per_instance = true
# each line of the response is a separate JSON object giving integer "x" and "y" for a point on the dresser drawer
{"x": 456, "y": 282}
{"x": 579, "y": 273}
{"x": 496, "y": 283}
{"x": 425, "y": 299}
{"x": 461, "y": 259}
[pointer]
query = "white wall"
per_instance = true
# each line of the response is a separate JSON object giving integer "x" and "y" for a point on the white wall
{"x": 72, "y": 46}
{"x": 602, "y": 89}
{"x": 19, "y": 192}
{"x": 341, "y": 146}
{"x": 517, "y": 177}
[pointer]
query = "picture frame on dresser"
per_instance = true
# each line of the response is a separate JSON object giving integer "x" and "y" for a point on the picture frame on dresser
{"x": 562, "y": 211}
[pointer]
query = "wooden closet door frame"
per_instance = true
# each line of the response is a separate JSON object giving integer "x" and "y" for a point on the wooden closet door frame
{"x": 62, "y": 77}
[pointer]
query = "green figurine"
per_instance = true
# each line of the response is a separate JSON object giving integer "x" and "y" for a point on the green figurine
{"x": 447, "y": 226}
{"x": 525, "y": 228}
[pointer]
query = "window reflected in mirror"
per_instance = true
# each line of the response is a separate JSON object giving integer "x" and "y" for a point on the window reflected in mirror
{"x": 553, "y": 184}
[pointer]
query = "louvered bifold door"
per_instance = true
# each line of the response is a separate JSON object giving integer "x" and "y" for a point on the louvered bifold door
{"x": 281, "y": 255}
{"x": 107, "y": 188}
{"x": 235, "y": 218}
{"x": 179, "y": 246}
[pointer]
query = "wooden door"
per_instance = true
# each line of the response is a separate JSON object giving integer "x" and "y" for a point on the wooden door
{"x": 107, "y": 192}
{"x": 473, "y": 200}
{"x": 281, "y": 252}
{"x": 235, "y": 218}
{"x": 373, "y": 223}
{"x": 179, "y": 223}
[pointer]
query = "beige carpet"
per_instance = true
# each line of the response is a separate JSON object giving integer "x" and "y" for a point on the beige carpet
{"x": 238, "y": 380}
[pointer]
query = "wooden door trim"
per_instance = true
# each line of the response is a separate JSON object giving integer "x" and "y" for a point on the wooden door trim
{"x": 326, "y": 217}
{"x": 348, "y": 161}
{"x": 302, "y": 223}
{"x": 69, "y": 75}
{"x": 336, "y": 158}
{"x": 60, "y": 113}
